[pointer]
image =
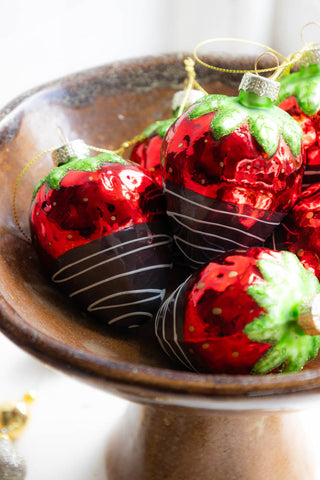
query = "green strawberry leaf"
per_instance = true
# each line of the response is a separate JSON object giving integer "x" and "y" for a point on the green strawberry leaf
{"x": 266, "y": 123}
{"x": 160, "y": 127}
{"x": 294, "y": 350}
{"x": 309, "y": 96}
{"x": 286, "y": 287}
{"x": 291, "y": 134}
{"x": 305, "y": 87}
{"x": 266, "y": 130}
{"x": 87, "y": 164}
{"x": 227, "y": 120}
{"x": 208, "y": 104}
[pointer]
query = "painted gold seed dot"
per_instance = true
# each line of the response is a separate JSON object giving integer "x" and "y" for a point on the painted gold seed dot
{"x": 69, "y": 236}
{"x": 90, "y": 178}
{"x": 205, "y": 346}
{"x": 191, "y": 328}
{"x": 203, "y": 181}
{"x": 54, "y": 204}
{"x": 235, "y": 354}
{"x": 180, "y": 145}
{"x": 309, "y": 215}
{"x": 152, "y": 169}
{"x": 113, "y": 218}
{"x": 85, "y": 199}
{"x": 221, "y": 164}
{"x": 50, "y": 243}
{"x": 300, "y": 252}
{"x": 216, "y": 311}
{"x": 170, "y": 169}
{"x": 205, "y": 140}
{"x": 282, "y": 170}
{"x": 200, "y": 285}
{"x": 38, "y": 213}
{"x": 233, "y": 274}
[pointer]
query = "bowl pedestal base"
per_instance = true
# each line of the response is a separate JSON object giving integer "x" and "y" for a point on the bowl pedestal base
{"x": 176, "y": 443}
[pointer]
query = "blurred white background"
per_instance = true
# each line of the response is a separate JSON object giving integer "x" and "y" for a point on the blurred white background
{"x": 44, "y": 40}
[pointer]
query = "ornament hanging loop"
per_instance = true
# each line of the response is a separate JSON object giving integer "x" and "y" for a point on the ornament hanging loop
{"x": 256, "y": 71}
{"x": 62, "y": 135}
{"x": 239, "y": 40}
{"x": 190, "y": 83}
{"x": 15, "y": 191}
{"x": 303, "y": 40}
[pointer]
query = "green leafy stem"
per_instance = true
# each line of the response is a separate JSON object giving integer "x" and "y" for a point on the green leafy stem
{"x": 87, "y": 164}
{"x": 160, "y": 127}
{"x": 305, "y": 87}
{"x": 286, "y": 287}
{"x": 266, "y": 123}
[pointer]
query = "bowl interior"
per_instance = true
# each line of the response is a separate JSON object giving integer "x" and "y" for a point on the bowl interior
{"x": 104, "y": 106}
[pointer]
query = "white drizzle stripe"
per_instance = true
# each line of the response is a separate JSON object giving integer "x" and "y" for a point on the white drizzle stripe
{"x": 226, "y": 227}
{"x": 116, "y": 319}
{"x": 220, "y": 211}
{"x": 106, "y": 280}
{"x": 107, "y": 250}
{"x": 175, "y": 335}
{"x": 209, "y": 234}
{"x": 198, "y": 246}
{"x": 145, "y": 247}
{"x": 160, "y": 294}
{"x": 161, "y": 315}
{"x": 184, "y": 253}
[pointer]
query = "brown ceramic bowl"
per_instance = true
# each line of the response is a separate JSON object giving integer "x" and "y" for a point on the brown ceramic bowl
{"x": 104, "y": 106}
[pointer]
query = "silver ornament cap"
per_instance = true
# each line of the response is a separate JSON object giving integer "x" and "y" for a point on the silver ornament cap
{"x": 74, "y": 148}
{"x": 178, "y": 98}
{"x": 12, "y": 465}
{"x": 310, "y": 57}
{"x": 262, "y": 86}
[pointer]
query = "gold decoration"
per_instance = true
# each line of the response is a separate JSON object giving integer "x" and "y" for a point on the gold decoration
{"x": 14, "y": 416}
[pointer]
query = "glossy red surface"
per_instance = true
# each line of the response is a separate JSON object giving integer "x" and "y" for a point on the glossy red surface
{"x": 217, "y": 309}
{"x": 89, "y": 205}
{"x": 234, "y": 169}
{"x": 302, "y": 227}
{"x": 310, "y": 127}
{"x": 147, "y": 154}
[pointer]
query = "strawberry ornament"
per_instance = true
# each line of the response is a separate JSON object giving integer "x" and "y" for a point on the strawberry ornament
{"x": 233, "y": 169}
{"x": 146, "y": 151}
{"x": 300, "y": 231}
{"x": 252, "y": 311}
{"x": 99, "y": 226}
{"x": 299, "y": 95}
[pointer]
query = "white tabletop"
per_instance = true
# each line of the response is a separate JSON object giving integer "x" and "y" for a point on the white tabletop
{"x": 70, "y": 423}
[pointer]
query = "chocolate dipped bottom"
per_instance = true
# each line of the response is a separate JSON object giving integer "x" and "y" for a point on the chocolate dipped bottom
{"x": 120, "y": 278}
{"x": 169, "y": 328}
{"x": 204, "y": 227}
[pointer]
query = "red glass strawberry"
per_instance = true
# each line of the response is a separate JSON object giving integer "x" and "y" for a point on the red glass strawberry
{"x": 233, "y": 169}
{"x": 146, "y": 152}
{"x": 250, "y": 311}
{"x": 99, "y": 226}
{"x": 299, "y": 95}
{"x": 300, "y": 231}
